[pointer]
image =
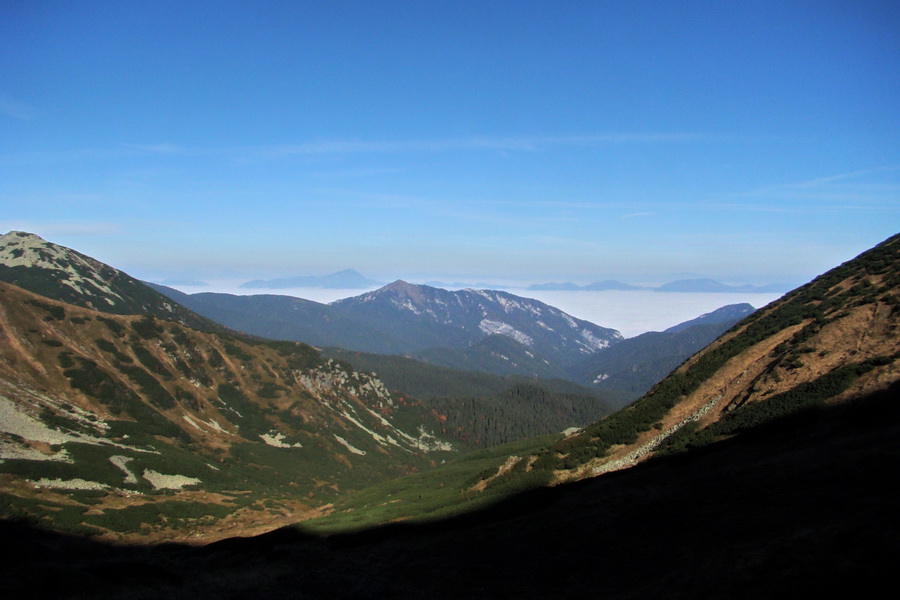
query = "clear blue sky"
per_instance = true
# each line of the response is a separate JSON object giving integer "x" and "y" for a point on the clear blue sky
{"x": 744, "y": 141}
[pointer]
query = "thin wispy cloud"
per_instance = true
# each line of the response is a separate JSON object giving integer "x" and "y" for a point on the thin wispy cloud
{"x": 253, "y": 153}
{"x": 844, "y": 176}
{"x": 163, "y": 148}
{"x": 14, "y": 109}
{"x": 852, "y": 185}
{"x": 501, "y": 143}
{"x": 360, "y": 172}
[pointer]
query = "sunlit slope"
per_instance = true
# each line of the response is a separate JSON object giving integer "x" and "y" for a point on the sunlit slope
{"x": 112, "y": 421}
{"x": 831, "y": 340}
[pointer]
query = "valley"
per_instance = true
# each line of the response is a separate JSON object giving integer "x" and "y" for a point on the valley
{"x": 152, "y": 423}
{"x": 367, "y": 300}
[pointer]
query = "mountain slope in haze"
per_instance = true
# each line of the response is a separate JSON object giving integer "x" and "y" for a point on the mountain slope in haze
{"x": 281, "y": 318}
{"x": 427, "y": 317}
{"x": 635, "y": 364}
{"x": 58, "y": 272}
{"x": 727, "y": 314}
{"x": 708, "y": 286}
{"x": 452, "y": 328}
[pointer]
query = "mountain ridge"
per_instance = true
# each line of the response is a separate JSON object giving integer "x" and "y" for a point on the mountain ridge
{"x": 416, "y": 320}
{"x": 30, "y": 262}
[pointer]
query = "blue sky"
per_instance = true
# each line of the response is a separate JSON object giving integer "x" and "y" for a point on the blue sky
{"x": 745, "y": 141}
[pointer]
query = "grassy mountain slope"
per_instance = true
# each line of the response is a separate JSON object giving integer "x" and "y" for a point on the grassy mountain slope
{"x": 135, "y": 425}
{"x": 828, "y": 341}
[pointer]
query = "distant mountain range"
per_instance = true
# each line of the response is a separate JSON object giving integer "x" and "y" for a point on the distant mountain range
{"x": 598, "y": 286}
{"x": 484, "y": 330}
{"x": 347, "y": 279}
{"x": 682, "y": 285}
{"x": 710, "y": 286}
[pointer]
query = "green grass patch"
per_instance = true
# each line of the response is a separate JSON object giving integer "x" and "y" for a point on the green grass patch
{"x": 436, "y": 493}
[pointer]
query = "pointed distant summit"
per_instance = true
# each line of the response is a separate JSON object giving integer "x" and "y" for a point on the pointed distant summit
{"x": 408, "y": 296}
{"x": 400, "y": 285}
{"x": 60, "y": 273}
{"x": 407, "y": 290}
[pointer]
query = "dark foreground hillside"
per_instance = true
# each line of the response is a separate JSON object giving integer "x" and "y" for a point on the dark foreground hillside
{"x": 803, "y": 507}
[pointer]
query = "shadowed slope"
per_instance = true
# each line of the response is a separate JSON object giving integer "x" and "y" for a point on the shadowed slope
{"x": 803, "y": 506}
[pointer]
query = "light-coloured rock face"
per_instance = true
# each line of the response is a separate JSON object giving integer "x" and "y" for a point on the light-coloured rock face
{"x": 499, "y": 328}
{"x": 276, "y": 439}
{"x": 161, "y": 481}
{"x": 69, "y": 484}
